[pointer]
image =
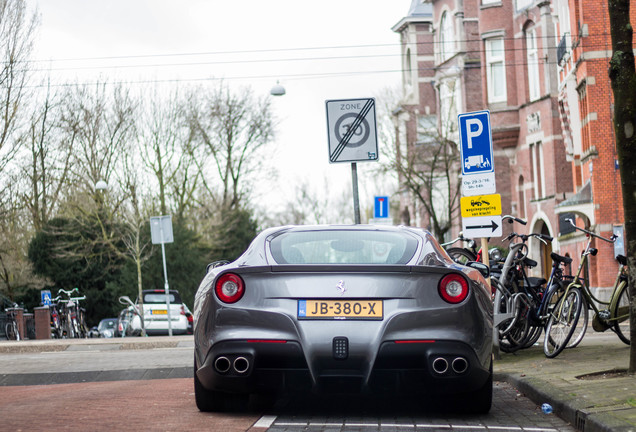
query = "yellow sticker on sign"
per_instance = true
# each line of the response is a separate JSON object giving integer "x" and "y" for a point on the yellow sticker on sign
{"x": 481, "y": 205}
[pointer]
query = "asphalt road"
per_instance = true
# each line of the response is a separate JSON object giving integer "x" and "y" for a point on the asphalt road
{"x": 151, "y": 402}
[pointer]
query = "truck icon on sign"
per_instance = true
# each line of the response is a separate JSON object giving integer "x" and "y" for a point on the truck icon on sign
{"x": 476, "y": 161}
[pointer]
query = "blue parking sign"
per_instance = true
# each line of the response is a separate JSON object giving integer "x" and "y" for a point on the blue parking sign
{"x": 475, "y": 138}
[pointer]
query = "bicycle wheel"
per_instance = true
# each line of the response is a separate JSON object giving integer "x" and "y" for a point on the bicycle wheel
{"x": 581, "y": 326}
{"x": 562, "y": 322}
{"x": 11, "y": 330}
{"x": 461, "y": 255}
{"x": 620, "y": 314}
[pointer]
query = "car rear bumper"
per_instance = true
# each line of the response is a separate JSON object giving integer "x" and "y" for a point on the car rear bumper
{"x": 424, "y": 367}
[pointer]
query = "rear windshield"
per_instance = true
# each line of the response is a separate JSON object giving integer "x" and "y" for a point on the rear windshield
{"x": 160, "y": 297}
{"x": 343, "y": 247}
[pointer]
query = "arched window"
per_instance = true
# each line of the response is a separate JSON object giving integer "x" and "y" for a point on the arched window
{"x": 447, "y": 37}
{"x": 521, "y": 196}
{"x": 532, "y": 59}
{"x": 408, "y": 69}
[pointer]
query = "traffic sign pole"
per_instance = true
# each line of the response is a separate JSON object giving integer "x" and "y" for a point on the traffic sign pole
{"x": 352, "y": 137}
{"x": 356, "y": 200}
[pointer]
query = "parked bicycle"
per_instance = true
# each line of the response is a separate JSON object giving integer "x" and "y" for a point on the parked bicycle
{"x": 462, "y": 255}
{"x": 55, "y": 321}
{"x": 518, "y": 296}
{"x": 72, "y": 316}
{"x": 11, "y": 328}
{"x": 577, "y": 298}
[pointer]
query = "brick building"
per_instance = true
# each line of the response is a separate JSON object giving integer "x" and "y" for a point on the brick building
{"x": 550, "y": 102}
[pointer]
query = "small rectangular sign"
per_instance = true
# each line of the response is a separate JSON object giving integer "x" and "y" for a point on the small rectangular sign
{"x": 161, "y": 229}
{"x": 475, "y": 139}
{"x": 381, "y": 207}
{"x": 478, "y": 184}
{"x": 478, "y": 227}
{"x": 481, "y": 205}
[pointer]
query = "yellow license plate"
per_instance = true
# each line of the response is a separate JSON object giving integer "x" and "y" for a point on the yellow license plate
{"x": 340, "y": 309}
{"x": 159, "y": 312}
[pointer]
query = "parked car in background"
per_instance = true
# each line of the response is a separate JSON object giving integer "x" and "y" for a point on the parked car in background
{"x": 345, "y": 309}
{"x": 155, "y": 312}
{"x": 106, "y": 327}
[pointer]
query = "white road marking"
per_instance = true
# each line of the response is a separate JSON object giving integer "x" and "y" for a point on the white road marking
{"x": 265, "y": 421}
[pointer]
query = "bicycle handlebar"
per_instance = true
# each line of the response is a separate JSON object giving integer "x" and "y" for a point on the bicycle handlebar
{"x": 512, "y": 219}
{"x": 471, "y": 242}
{"x": 612, "y": 239}
{"x": 68, "y": 293}
{"x": 524, "y": 237}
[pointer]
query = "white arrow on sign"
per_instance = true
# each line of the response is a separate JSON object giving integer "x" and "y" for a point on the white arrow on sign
{"x": 482, "y": 226}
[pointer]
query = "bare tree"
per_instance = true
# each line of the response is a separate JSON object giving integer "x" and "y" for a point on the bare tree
{"x": 16, "y": 43}
{"x": 232, "y": 128}
{"x": 46, "y": 167}
{"x": 622, "y": 73}
{"x": 165, "y": 145}
{"x": 427, "y": 165}
{"x": 102, "y": 124}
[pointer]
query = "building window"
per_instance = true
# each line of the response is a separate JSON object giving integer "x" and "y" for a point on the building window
{"x": 495, "y": 70}
{"x": 538, "y": 173}
{"x": 449, "y": 100}
{"x": 522, "y": 4}
{"x": 447, "y": 42}
{"x": 521, "y": 196}
{"x": 408, "y": 70}
{"x": 532, "y": 56}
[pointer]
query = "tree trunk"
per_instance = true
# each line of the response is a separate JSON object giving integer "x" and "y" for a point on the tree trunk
{"x": 623, "y": 77}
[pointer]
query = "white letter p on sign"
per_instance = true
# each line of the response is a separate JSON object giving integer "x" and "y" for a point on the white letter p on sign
{"x": 470, "y": 134}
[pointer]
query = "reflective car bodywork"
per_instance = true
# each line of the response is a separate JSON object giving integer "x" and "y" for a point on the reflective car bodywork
{"x": 344, "y": 309}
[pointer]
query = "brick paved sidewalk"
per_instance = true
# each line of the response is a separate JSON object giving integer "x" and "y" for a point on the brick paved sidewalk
{"x": 603, "y": 401}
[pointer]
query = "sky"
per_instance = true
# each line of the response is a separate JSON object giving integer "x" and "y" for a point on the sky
{"x": 319, "y": 51}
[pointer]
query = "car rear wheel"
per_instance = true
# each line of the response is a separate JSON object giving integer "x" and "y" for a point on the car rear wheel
{"x": 480, "y": 401}
{"x": 214, "y": 401}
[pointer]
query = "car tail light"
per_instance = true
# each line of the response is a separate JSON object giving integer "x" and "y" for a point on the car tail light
{"x": 229, "y": 288}
{"x": 453, "y": 288}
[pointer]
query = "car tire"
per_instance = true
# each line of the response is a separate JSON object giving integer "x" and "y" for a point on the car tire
{"x": 214, "y": 401}
{"x": 479, "y": 401}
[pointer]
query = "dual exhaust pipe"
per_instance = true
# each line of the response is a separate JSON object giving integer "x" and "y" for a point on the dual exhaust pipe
{"x": 441, "y": 365}
{"x": 223, "y": 364}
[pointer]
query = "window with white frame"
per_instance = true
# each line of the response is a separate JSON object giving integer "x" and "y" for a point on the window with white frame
{"x": 538, "y": 173}
{"x": 495, "y": 70}
{"x": 532, "y": 58}
{"x": 446, "y": 37}
{"x": 449, "y": 100}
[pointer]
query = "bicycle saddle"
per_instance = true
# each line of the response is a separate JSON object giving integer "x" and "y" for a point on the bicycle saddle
{"x": 529, "y": 262}
{"x": 560, "y": 258}
{"x": 536, "y": 282}
{"x": 622, "y": 259}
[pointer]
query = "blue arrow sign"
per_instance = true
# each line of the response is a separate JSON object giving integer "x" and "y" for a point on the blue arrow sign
{"x": 475, "y": 137}
{"x": 381, "y": 207}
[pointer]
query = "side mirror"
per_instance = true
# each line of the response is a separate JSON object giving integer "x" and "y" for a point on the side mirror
{"x": 480, "y": 267}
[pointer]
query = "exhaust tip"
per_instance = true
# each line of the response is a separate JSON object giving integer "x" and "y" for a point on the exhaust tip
{"x": 241, "y": 365}
{"x": 460, "y": 365}
{"x": 440, "y": 365}
{"x": 222, "y": 364}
